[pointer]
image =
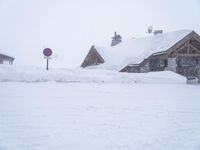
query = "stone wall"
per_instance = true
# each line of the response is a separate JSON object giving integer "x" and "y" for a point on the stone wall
{"x": 145, "y": 68}
{"x": 1, "y": 60}
{"x": 171, "y": 64}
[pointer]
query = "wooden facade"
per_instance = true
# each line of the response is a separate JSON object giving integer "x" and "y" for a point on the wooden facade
{"x": 182, "y": 58}
{"x": 93, "y": 58}
{"x": 5, "y": 58}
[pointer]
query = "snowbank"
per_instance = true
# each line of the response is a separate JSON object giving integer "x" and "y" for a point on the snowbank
{"x": 36, "y": 74}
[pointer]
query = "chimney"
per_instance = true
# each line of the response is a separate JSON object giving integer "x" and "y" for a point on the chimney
{"x": 115, "y": 34}
{"x": 116, "y": 39}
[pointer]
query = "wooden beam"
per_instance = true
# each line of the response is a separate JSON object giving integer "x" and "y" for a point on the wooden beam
{"x": 185, "y": 45}
{"x": 196, "y": 37}
{"x": 189, "y": 55}
{"x": 197, "y": 50}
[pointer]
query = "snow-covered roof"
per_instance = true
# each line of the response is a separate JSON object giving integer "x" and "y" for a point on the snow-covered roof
{"x": 5, "y": 53}
{"x": 134, "y": 51}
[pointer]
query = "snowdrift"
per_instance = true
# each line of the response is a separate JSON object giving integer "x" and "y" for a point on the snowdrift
{"x": 36, "y": 74}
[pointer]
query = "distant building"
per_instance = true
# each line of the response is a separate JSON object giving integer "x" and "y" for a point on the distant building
{"x": 116, "y": 39}
{"x": 5, "y": 58}
{"x": 177, "y": 51}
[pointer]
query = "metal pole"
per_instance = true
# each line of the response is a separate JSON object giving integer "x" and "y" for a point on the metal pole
{"x": 47, "y": 64}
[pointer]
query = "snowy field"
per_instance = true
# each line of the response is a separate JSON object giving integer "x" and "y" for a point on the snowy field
{"x": 105, "y": 112}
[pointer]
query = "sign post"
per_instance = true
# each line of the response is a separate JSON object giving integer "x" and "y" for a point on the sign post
{"x": 47, "y": 67}
{"x": 47, "y": 53}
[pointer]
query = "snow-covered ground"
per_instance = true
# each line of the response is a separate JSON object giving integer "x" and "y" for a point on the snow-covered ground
{"x": 97, "y": 110}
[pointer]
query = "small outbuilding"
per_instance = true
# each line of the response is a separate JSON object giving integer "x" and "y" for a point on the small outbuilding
{"x": 5, "y": 58}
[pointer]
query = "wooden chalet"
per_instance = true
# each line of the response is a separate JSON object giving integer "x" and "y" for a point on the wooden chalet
{"x": 177, "y": 51}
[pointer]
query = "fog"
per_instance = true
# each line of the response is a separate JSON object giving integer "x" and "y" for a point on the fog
{"x": 71, "y": 27}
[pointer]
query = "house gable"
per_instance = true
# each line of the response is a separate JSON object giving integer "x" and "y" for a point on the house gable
{"x": 188, "y": 46}
{"x": 92, "y": 58}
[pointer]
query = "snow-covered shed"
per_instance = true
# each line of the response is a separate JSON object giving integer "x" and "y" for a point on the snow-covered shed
{"x": 5, "y": 58}
{"x": 177, "y": 51}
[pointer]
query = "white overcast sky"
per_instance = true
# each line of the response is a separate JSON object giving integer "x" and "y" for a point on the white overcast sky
{"x": 70, "y": 27}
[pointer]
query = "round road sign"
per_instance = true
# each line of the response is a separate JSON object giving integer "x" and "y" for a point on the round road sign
{"x": 47, "y": 52}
